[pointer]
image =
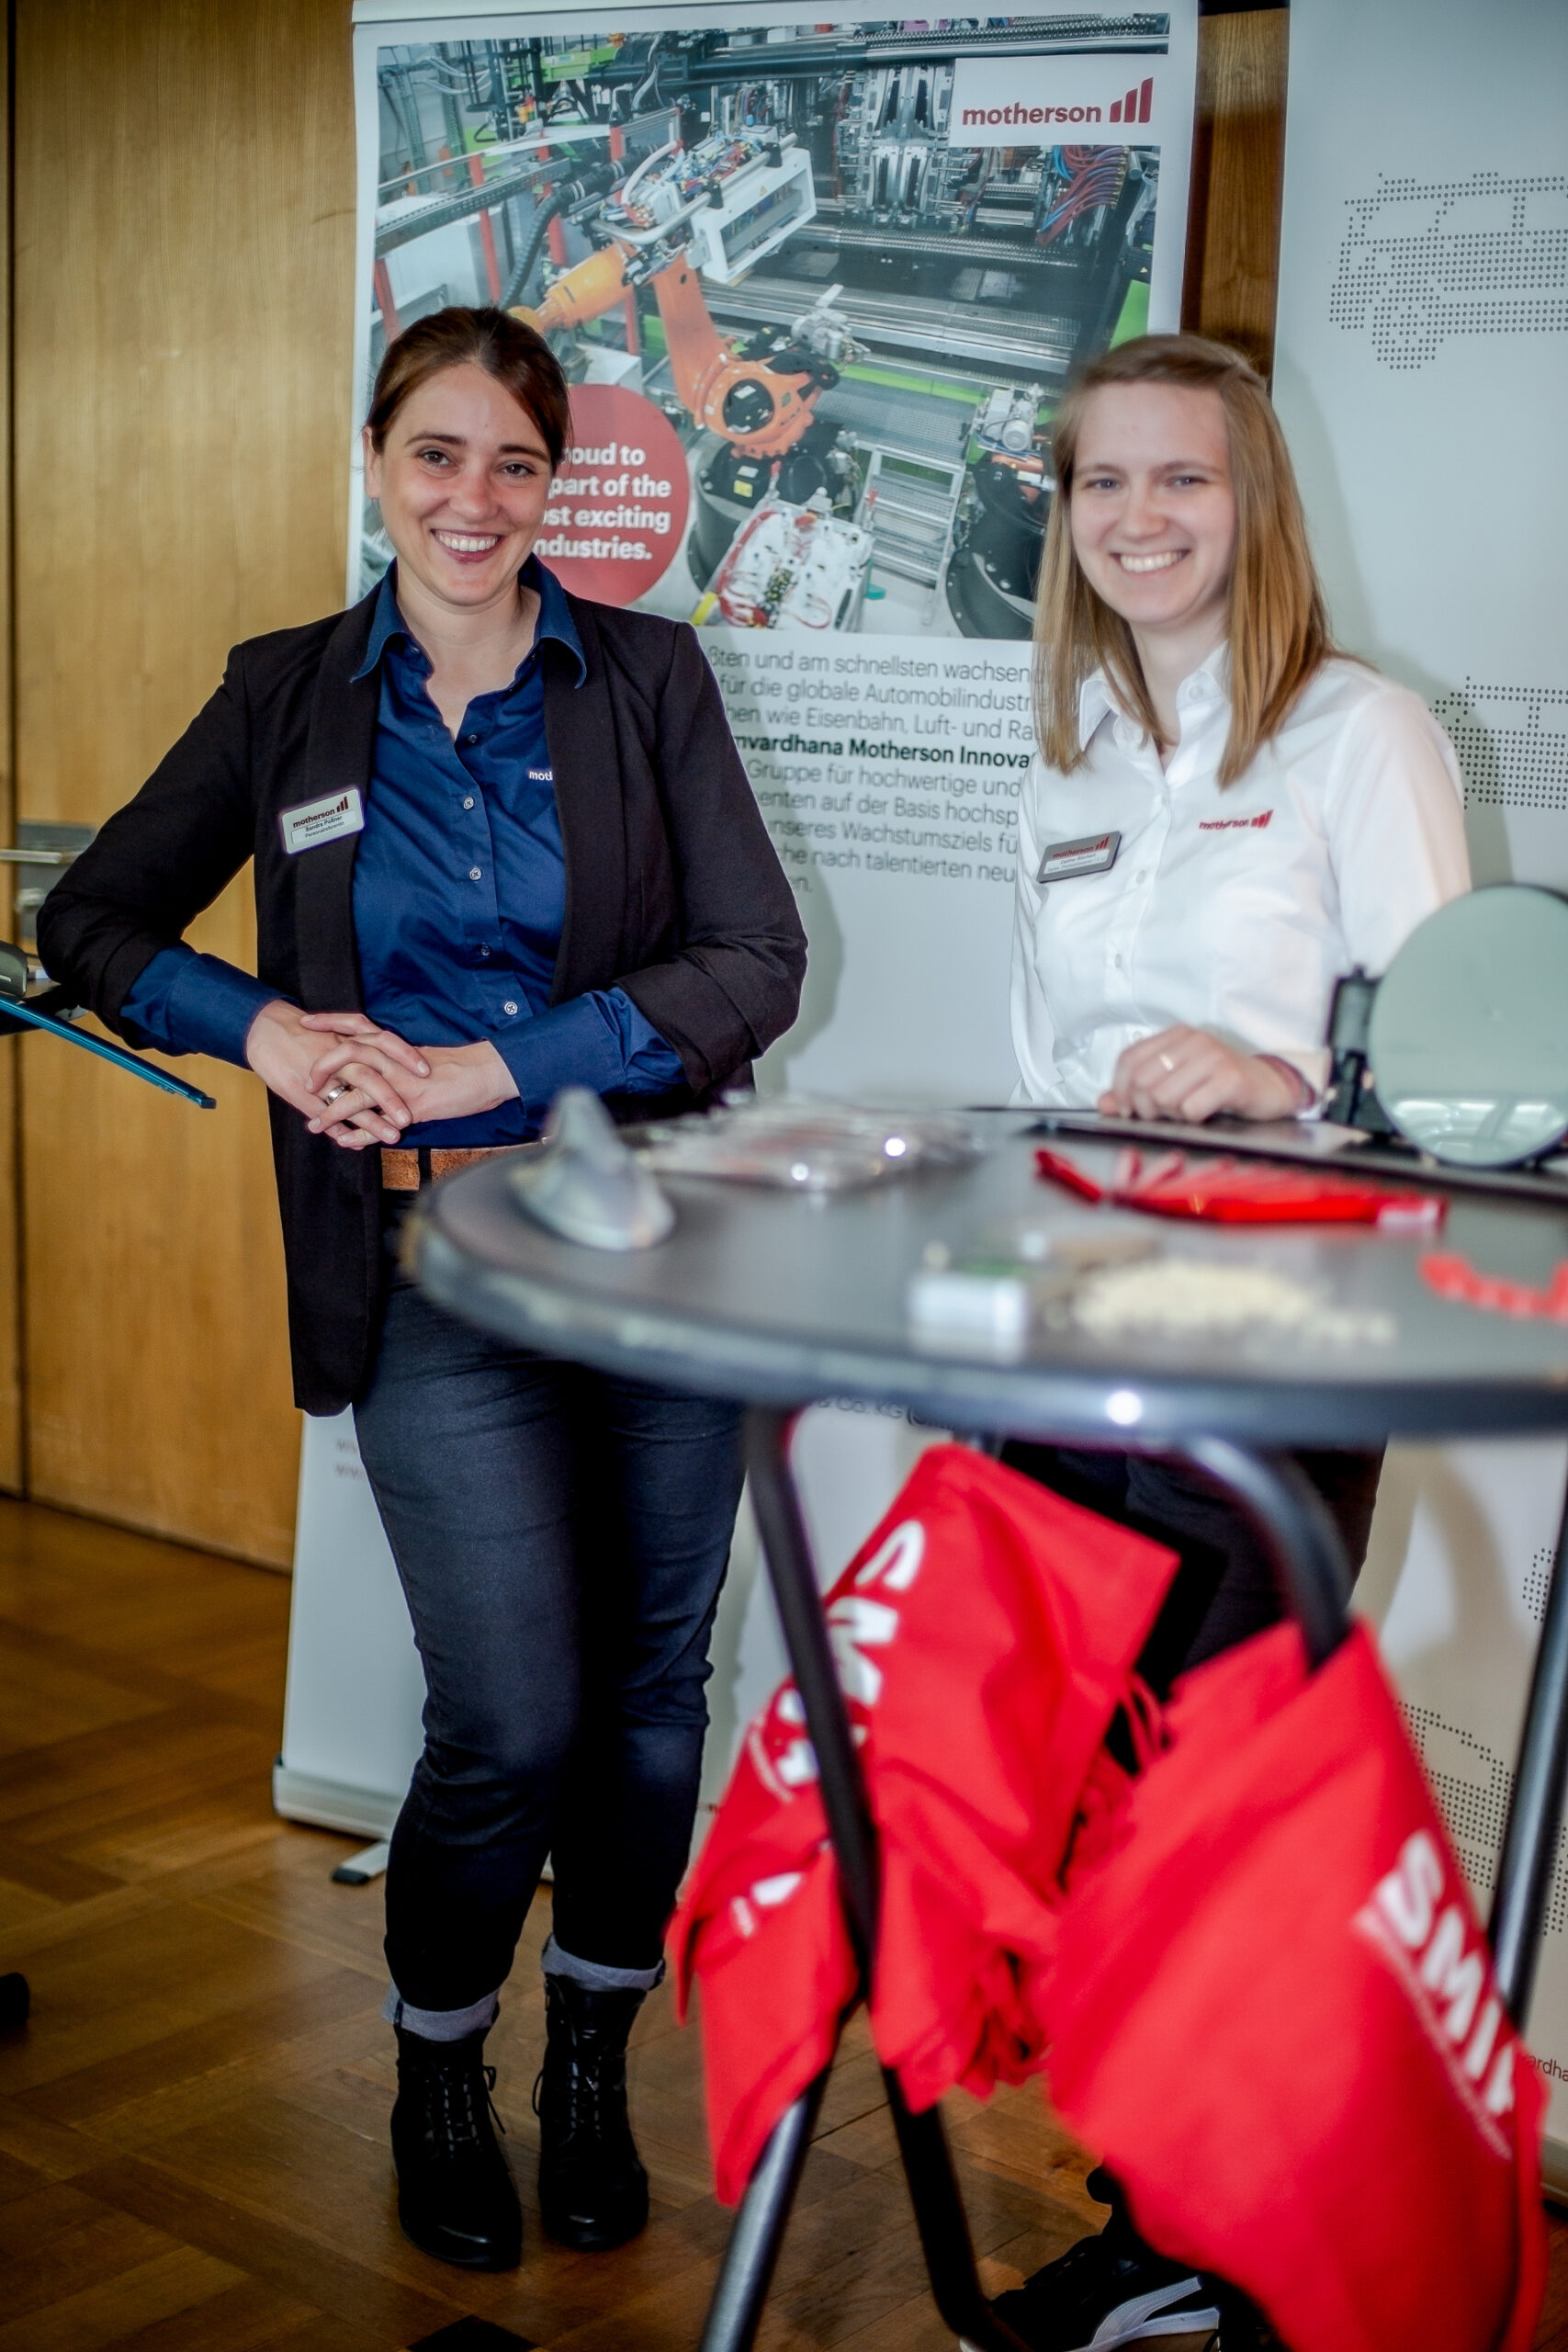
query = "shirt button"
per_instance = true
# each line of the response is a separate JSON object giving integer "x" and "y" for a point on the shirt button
{"x": 471, "y": 738}
{"x": 475, "y": 874}
{"x": 509, "y": 1006}
{"x": 1117, "y": 961}
{"x": 484, "y": 955}
{"x": 1140, "y": 875}
{"x": 470, "y": 802}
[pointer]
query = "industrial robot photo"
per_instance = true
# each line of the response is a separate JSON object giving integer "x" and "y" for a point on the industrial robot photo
{"x": 857, "y": 324}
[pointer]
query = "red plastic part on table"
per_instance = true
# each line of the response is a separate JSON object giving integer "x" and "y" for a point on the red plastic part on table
{"x": 1233, "y": 1191}
{"x": 1462, "y": 1285}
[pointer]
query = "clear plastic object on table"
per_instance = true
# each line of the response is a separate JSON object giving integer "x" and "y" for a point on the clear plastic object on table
{"x": 808, "y": 1146}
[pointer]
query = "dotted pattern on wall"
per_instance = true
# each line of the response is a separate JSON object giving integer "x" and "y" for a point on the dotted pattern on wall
{"x": 1424, "y": 260}
{"x": 1538, "y": 1584}
{"x": 1512, "y": 743}
{"x": 1475, "y": 1806}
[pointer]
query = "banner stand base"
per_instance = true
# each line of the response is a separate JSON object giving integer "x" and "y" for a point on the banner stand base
{"x": 328, "y": 1805}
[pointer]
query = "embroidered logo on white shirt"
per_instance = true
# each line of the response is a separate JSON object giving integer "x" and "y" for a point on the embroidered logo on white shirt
{"x": 1234, "y": 824}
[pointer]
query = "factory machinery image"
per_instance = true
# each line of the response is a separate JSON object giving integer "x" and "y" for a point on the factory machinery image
{"x": 856, "y": 323}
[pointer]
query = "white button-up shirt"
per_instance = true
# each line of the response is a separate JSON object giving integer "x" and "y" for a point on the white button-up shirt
{"x": 1233, "y": 911}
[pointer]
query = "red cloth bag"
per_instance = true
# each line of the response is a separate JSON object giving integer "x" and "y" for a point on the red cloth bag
{"x": 983, "y": 1637}
{"x": 1273, "y": 2012}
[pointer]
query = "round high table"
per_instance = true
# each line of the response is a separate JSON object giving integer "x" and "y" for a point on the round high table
{"x": 782, "y": 1299}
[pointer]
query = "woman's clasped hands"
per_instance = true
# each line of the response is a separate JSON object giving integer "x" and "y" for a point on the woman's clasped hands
{"x": 360, "y": 1084}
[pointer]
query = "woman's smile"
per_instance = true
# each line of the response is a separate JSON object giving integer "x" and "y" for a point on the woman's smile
{"x": 467, "y": 547}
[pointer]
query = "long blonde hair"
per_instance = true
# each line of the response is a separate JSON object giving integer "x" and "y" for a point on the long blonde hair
{"x": 1278, "y": 626}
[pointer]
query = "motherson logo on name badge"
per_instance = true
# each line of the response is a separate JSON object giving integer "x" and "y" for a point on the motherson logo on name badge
{"x": 320, "y": 820}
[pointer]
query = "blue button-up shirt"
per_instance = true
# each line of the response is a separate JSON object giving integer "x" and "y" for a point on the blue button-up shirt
{"x": 459, "y": 898}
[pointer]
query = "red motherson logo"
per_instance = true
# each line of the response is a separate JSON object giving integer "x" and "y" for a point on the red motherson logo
{"x": 1137, "y": 107}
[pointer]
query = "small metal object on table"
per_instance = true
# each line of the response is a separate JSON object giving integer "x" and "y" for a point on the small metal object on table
{"x": 782, "y": 1300}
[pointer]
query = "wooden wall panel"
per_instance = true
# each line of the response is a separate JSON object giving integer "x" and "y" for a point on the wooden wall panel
{"x": 184, "y": 239}
{"x": 1232, "y": 249}
{"x": 13, "y": 1455}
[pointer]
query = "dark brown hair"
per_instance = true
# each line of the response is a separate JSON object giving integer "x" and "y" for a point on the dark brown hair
{"x": 514, "y": 354}
{"x": 1278, "y": 627}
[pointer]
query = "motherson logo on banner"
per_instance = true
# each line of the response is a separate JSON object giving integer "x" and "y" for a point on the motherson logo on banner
{"x": 1099, "y": 101}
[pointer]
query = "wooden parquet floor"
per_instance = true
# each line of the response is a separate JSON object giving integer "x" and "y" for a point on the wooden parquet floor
{"x": 192, "y": 2127}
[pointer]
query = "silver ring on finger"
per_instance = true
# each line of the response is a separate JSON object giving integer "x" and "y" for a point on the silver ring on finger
{"x": 335, "y": 1093}
{"x": 1166, "y": 1064}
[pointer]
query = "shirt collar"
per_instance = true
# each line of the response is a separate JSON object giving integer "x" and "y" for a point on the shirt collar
{"x": 555, "y": 617}
{"x": 1209, "y": 683}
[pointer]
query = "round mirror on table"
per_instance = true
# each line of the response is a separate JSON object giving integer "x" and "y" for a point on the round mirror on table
{"x": 1468, "y": 1043}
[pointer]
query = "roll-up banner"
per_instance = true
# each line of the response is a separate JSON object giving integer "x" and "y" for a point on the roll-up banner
{"x": 816, "y": 289}
{"x": 1422, "y": 378}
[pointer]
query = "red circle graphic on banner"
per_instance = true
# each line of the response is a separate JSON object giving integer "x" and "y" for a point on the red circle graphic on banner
{"x": 618, "y": 505}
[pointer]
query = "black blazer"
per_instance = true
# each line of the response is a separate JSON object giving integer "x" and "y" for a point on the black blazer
{"x": 673, "y": 893}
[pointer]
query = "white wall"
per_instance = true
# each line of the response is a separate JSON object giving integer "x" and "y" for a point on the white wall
{"x": 1422, "y": 377}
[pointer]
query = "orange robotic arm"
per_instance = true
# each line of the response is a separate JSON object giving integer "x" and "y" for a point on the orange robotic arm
{"x": 761, "y": 414}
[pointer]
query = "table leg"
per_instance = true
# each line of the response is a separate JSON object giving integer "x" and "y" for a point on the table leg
{"x": 1534, "y": 1810}
{"x": 1292, "y": 1518}
{"x": 928, "y": 2165}
{"x": 746, "y": 2269}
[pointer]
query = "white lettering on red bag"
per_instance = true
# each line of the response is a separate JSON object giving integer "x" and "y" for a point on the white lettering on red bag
{"x": 856, "y": 1626}
{"x": 781, "y": 1754}
{"x": 895, "y": 1563}
{"x": 1442, "y": 1962}
{"x": 766, "y": 1895}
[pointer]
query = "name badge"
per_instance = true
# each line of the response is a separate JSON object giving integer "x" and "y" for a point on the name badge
{"x": 320, "y": 820}
{"x": 1095, "y": 853}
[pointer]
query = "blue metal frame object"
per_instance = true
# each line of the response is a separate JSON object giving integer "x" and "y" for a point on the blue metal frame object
{"x": 18, "y": 1016}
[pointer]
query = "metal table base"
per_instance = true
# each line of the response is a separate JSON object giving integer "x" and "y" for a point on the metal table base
{"x": 1310, "y": 1564}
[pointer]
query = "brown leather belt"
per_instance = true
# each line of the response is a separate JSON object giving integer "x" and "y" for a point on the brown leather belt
{"x": 404, "y": 1171}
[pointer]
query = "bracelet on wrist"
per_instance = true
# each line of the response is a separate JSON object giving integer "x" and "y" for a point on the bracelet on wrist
{"x": 1306, "y": 1094}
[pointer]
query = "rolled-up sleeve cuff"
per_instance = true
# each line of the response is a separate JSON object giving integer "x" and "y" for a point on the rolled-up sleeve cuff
{"x": 186, "y": 1003}
{"x": 599, "y": 1040}
{"x": 652, "y": 1065}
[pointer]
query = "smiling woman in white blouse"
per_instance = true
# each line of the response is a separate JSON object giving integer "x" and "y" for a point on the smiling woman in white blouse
{"x": 1272, "y": 812}
{"x": 1225, "y": 814}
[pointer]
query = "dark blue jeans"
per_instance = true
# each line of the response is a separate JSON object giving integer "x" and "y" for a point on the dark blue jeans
{"x": 561, "y": 1537}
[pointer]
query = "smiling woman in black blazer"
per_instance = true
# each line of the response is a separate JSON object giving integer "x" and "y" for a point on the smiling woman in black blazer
{"x": 502, "y": 842}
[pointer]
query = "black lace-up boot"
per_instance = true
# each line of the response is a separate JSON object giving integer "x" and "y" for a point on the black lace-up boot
{"x": 592, "y": 2189}
{"x": 455, "y": 2198}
